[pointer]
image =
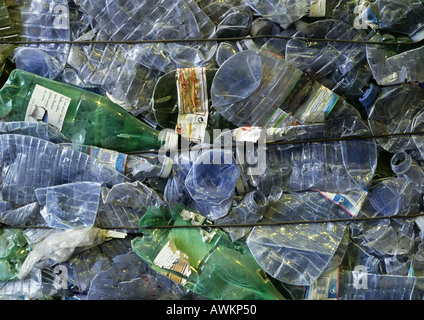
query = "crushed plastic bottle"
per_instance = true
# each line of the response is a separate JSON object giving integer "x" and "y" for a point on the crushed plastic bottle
{"x": 394, "y": 63}
{"x": 204, "y": 260}
{"x": 29, "y": 163}
{"x": 82, "y": 116}
{"x": 253, "y": 88}
{"x": 400, "y": 16}
{"x": 393, "y": 109}
{"x": 204, "y": 180}
{"x": 340, "y": 66}
{"x": 332, "y": 166}
{"x": 297, "y": 254}
{"x": 41, "y": 21}
{"x": 133, "y": 166}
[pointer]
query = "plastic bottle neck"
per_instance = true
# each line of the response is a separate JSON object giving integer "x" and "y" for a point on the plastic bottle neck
{"x": 256, "y": 201}
{"x": 401, "y": 162}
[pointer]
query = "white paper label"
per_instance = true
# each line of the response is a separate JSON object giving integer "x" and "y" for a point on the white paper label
{"x": 48, "y": 106}
{"x": 168, "y": 259}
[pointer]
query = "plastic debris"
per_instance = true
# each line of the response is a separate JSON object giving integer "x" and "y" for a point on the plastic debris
{"x": 211, "y": 150}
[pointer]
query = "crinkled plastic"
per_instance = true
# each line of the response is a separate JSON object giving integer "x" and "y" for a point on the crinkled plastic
{"x": 203, "y": 260}
{"x": 333, "y": 166}
{"x": 390, "y": 65}
{"x": 340, "y": 66}
{"x": 249, "y": 210}
{"x": 29, "y": 163}
{"x": 396, "y": 109}
{"x": 40, "y": 130}
{"x": 298, "y": 253}
{"x": 133, "y": 280}
{"x": 259, "y": 88}
{"x": 14, "y": 249}
{"x": 41, "y": 21}
{"x": 388, "y": 197}
{"x": 283, "y": 12}
{"x": 399, "y": 16}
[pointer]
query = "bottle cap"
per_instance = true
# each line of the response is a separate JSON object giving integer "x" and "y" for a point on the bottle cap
{"x": 370, "y": 96}
{"x": 418, "y": 35}
{"x": 166, "y": 168}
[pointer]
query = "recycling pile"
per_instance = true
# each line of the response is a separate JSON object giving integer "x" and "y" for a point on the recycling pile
{"x": 202, "y": 149}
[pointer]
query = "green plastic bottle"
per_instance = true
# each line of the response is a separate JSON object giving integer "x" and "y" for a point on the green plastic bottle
{"x": 82, "y": 116}
{"x": 204, "y": 259}
{"x": 13, "y": 251}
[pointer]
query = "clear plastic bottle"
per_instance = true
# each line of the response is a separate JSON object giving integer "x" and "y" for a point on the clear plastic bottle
{"x": 393, "y": 109}
{"x": 29, "y": 163}
{"x": 400, "y": 16}
{"x": 331, "y": 166}
{"x": 405, "y": 167}
{"x": 249, "y": 210}
{"x": 259, "y": 88}
{"x": 211, "y": 182}
{"x": 41, "y": 21}
{"x": 13, "y": 251}
{"x": 388, "y": 197}
{"x": 340, "y": 66}
{"x": 395, "y": 64}
{"x": 136, "y": 20}
{"x": 134, "y": 166}
{"x": 287, "y": 11}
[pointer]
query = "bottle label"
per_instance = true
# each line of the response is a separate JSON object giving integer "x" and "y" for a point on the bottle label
{"x": 318, "y": 105}
{"x": 48, "y": 106}
{"x": 351, "y": 202}
{"x": 276, "y": 119}
{"x": 111, "y": 158}
{"x": 170, "y": 259}
{"x": 326, "y": 287}
{"x": 193, "y": 108}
